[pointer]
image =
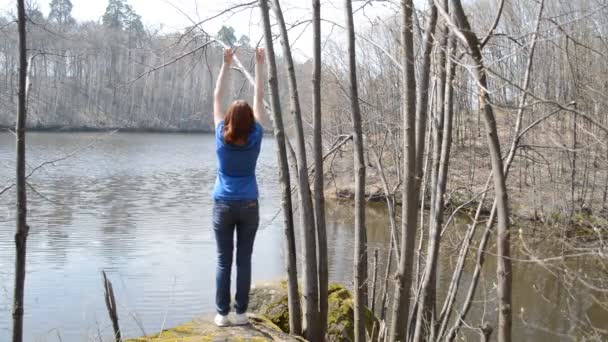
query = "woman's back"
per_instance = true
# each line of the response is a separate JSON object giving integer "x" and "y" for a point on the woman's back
{"x": 236, "y": 165}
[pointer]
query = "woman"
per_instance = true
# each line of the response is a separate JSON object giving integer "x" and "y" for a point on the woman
{"x": 238, "y": 137}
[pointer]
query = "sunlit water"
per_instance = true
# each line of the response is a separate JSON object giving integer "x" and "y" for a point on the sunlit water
{"x": 138, "y": 206}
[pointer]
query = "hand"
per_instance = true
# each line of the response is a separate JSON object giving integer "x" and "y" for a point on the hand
{"x": 228, "y": 56}
{"x": 260, "y": 55}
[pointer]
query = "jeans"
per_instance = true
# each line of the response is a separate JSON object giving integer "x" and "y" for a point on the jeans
{"x": 245, "y": 217}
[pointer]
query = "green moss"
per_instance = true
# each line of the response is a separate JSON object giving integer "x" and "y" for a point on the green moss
{"x": 186, "y": 329}
{"x": 341, "y": 315}
{"x": 333, "y": 288}
{"x": 267, "y": 322}
{"x": 278, "y": 313}
{"x": 183, "y": 333}
{"x": 341, "y": 323}
{"x": 250, "y": 339}
{"x": 588, "y": 220}
{"x": 556, "y": 217}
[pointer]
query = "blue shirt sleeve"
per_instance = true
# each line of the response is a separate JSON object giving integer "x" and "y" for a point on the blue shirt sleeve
{"x": 258, "y": 132}
{"x": 218, "y": 133}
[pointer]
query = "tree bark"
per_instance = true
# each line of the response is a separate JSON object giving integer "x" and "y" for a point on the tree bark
{"x": 319, "y": 192}
{"x": 360, "y": 257}
{"x": 284, "y": 178}
{"x": 22, "y": 227}
{"x": 399, "y": 327}
{"x": 422, "y": 100}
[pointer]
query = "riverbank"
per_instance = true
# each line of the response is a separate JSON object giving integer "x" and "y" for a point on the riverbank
{"x": 532, "y": 198}
{"x": 580, "y": 223}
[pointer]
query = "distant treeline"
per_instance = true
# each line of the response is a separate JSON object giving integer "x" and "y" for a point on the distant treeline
{"x": 114, "y": 73}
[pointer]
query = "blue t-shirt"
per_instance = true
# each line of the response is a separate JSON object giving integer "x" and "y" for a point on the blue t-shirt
{"x": 236, "y": 166}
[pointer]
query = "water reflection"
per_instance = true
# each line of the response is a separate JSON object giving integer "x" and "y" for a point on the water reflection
{"x": 139, "y": 207}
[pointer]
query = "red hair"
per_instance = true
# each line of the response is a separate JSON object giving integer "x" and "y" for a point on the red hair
{"x": 238, "y": 122}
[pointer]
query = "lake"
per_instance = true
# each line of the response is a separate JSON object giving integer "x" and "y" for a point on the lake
{"x": 138, "y": 206}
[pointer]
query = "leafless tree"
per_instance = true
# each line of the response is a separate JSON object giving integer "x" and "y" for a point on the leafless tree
{"x": 399, "y": 327}
{"x": 21, "y": 227}
{"x": 319, "y": 176}
{"x": 360, "y": 256}
{"x": 284, "y": 178}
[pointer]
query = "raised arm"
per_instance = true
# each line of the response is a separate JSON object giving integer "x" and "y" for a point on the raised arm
{"x": 258, "y": 97}
{"x": 223, "y": 80}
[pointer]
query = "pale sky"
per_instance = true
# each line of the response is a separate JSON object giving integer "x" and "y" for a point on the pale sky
{"x": 168, "y": 14}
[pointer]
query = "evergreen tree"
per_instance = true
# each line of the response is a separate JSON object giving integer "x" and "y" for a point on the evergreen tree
{"x": 226, "y": 35}
{"x": 132, "y": 22}
{"x": 61, "y": 12}
{"x": 244, "y": 41}
{"x": 120, "y": 15}
{"x": 115, "y": 14}
{"x": 33, "y": 11}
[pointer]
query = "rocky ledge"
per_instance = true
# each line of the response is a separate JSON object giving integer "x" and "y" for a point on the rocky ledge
{"x": 269, "y": 320}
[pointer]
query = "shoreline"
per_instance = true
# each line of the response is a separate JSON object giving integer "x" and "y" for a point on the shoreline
{"x": 86, "y": 129}
{"x": 581, "y": 219}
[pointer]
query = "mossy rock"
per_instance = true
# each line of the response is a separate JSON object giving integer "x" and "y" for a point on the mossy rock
{"x": 278, "y": 313}
{"x": 270, "y": 321}
{"x": 340, "y": 306}
{"x": 340, "y": 320}
{"x": 204, "y": 330}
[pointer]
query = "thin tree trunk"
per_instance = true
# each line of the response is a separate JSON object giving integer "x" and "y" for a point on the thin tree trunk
{"x": 312, "y": 323}
{"x": 393, "y": 245}
{"x": 503, "y": 269}
{"x": 319, "y": 191}
{"x": 22, "y": 227}
{"x": 422, "y": 106}
{"x": 284, "y": 178}
{"x": 360, "y": 257}
{"x": 409, "y": 190}
{"x": 422, "y": 100}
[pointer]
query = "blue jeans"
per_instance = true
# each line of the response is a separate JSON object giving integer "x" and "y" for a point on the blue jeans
{"x": 245, "y": 217}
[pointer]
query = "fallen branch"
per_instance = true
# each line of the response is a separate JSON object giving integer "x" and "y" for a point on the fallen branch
{"x": 111, "y": 306}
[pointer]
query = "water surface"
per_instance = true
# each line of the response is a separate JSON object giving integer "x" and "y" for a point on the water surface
{"x": 138, "y": 206}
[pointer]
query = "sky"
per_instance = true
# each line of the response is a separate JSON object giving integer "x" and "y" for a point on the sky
{"x": 171, "y": 15}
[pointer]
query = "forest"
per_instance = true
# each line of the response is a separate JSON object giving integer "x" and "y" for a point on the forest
{"x": 487, "y": 111}
{"x": 114, "y": 73}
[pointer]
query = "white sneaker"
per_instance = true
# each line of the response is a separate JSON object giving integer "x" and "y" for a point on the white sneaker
{"x": 241, "y": 319}
{"x": 221, "y": 320}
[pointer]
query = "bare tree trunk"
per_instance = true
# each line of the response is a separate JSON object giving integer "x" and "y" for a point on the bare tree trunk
{"x": 284, "y": 179}
{"x": 503, "y": 269}
{"x": 422, "y": 100}
{"x": 409, "y": 190}
{"x": 393, "y": 245}
{"x": 360, "y": 257}
{"x": 422, "y": 107}
{"x": 22, "y": 227}
{"x": 319, "y": 191}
